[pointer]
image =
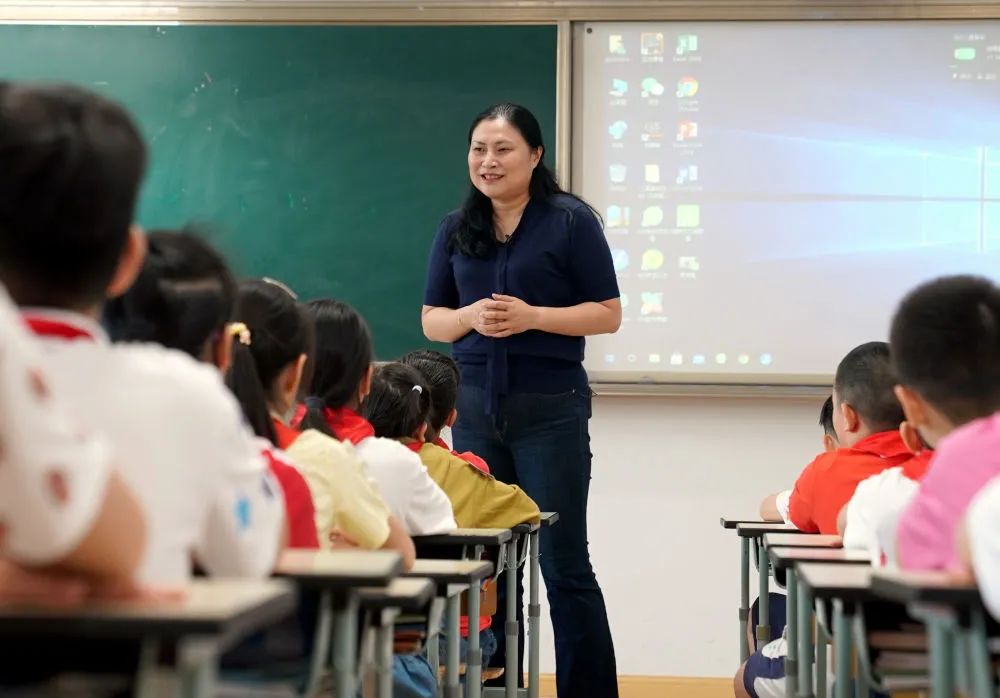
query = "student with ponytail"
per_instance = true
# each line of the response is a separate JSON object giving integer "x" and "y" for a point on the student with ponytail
{"x": 265, "y": 375}
{"x": 398, "y": 407}
{"x": 341, "y": 379}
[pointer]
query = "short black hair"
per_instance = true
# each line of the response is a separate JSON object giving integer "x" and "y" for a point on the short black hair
{"x": 865, "y": 381}
{"x": 945, "y": 339}
{"x": 826, "y": 418}
{"x": 71, "y": 163}
{"x": 440, "y": 372}
{"x": 399, "y": 401}
{"x": 182, "y": 298}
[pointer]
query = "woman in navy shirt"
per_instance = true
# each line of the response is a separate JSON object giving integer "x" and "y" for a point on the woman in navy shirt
{"x": 517, "y": 278}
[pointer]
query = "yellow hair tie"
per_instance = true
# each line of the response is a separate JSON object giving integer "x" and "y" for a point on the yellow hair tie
{"x": 240, "y": 331}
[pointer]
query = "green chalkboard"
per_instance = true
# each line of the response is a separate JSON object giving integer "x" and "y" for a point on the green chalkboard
{"x": 324, "y": 156}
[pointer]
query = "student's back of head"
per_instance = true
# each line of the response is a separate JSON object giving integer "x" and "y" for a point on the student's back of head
{"x": 267, "y": 365}
{"x": 342, "y": 363}
{"x": 863, "y": 399}
{"x": 399, "y": 402}
{"x": 72, "y": 163}
{"x": 826, "y": 421}
{"x": 440, "y": 372}
{"x": 183, "y": 298}
{"x": 946, "y": 350}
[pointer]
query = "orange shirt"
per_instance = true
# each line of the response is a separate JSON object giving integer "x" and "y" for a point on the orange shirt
{"x": 828, "y": 483}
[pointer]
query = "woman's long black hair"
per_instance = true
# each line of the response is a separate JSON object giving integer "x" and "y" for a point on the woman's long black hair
{"x": 474, "y": 235}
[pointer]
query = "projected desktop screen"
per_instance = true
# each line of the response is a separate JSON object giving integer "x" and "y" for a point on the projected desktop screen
{"x": 771, "y": 190}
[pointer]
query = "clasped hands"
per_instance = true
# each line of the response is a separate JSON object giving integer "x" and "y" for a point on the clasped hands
{"x": 499, "y": 316}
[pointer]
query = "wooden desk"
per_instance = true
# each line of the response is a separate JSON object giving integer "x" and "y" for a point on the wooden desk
{"x": 802, "y": 540}
{"x": 213, "y": 615}
{"x": 731, "y": 524}
{"x": 338, "y": 575}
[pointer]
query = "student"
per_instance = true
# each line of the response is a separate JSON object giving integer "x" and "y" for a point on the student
{"x": 64, "y": 508}
{"x": 441, "y": 373}
{"x": 866, "y": 418}
{"x": 72, "y": 165}
{"x": 267, "y": 368}
{"x": 340, "y": 382}
{"x": 878, "y": 500}
{"x": 183, "y": 299}
{"x": 775, "y": 507}
{"x": 397, "y": 408}
{"x": 981, "y": 553}
{"x": 946, "y": 348}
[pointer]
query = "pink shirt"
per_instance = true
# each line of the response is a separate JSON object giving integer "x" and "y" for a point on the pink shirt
{"x": 963, "y": 464}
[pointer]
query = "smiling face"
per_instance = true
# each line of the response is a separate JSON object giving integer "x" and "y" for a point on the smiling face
{"x": 501, "y": 161}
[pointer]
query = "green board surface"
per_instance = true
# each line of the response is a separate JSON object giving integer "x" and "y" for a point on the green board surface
{"x": 323, "y": 156}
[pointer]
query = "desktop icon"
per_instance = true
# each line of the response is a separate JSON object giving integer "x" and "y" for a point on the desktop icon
{"x": 651, "y": 44}
{"x": 686, "y": 43}
{"x": 652, "y": 174}
{"x": 687, "y": 174}
{"x": 618, "y": 216}
{"x": 620, "y": 259}
{"x": 688, "y": 215}
{"x": 616, "y": 45}
{"x": 687, "y": 130}
{"x": 652, "y": 303}
{"x": 652, "y": 216}
{"x": 618, "y": 130}
{"x": 619, "y": 88}
{"x": 651, "y": 87}
{"x": 687, "y": 87}
{"x": 617, "y": 172}
{"x": 652, "y": 260}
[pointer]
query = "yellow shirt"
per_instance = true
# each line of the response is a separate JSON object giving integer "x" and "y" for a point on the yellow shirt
{"x": 343, "y": 495}
{"x": 479, "y": 499}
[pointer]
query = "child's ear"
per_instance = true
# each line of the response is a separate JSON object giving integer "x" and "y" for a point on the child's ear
{"x": 911, "y": 437}
{"x": 129, "y": 263}
{"x": 852, "y": 421}
{"x": 366, "y": 383}
{"x": 452, "y": 418}
{"x": 828, "y": 443}
{"x": 222, "y": 352}
{"x": 913, "y": 406}
{"x": 421, "y": 432}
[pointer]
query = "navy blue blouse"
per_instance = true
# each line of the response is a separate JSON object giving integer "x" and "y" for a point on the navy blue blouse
{"x": 557, "y": 257}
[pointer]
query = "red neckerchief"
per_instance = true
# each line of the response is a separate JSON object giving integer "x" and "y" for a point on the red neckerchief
{"x": 916, "y": 467}
{"x": 48, "y": 327}
{"x": 414, "y": 446}
{"x": 348, "y": 425}
{"x": 286, "y": 435}
{"x": 468, "y": 456}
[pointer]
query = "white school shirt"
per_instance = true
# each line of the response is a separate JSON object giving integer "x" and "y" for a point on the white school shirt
{"x": 406, "y": 487}
{"x": 181, "y": 446}
{"x": 53, "y": 475}
{"x": 873, "y": 511}
{"x": 982, "y": 525}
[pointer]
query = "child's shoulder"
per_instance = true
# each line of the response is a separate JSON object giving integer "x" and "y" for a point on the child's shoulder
{"x": 312, "y": 442}
{"x": 380, "y": 451}
{"x": 439, "y": 454}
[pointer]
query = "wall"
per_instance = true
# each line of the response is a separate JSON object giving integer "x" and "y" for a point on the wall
{"x": 665, "y": 470}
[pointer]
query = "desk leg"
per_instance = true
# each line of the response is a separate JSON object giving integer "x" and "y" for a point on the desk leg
{"x": 842, "y": 644}
{"x": 198, "y": 663}
{"x": 474, "y": 655}
{"x": 979, "y": 656}
{"x": 763, "y": 597}
{"x": 345, "y": 646}
{"x": 452, "y": 686}
{"x": 744, "y": 597}
{"x": 145, "y": 675}
{"x": 806, "y": 650}
{"x": 534, "y": 617}
{"x": 942, "y": 670}
{"x": 511, "y": 627}
{"x": 822, "y": 643}
{"x": 383, "y": 656}
{"x": 792, "y": 630}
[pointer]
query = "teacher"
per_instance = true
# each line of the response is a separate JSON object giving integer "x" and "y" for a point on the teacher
{"x": 517, "y": 277}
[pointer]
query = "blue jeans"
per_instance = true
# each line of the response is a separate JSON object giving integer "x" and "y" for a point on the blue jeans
{"x": 541, "y": 443}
